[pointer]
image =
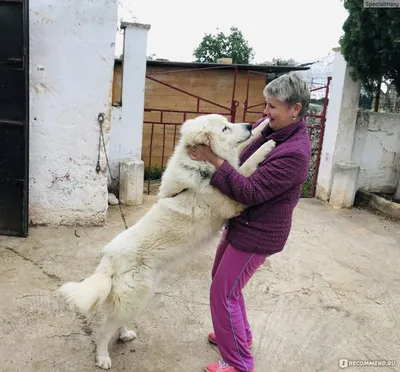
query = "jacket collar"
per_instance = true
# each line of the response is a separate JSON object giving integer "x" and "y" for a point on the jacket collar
{"x": 284, "y": 133}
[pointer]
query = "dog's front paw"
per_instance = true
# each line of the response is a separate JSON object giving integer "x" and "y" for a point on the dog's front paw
{"x": 269, "y": 146}
{"x": 259, "y": 156}
{"x": 103, "y": 362}
{"x": 128, "y": 335}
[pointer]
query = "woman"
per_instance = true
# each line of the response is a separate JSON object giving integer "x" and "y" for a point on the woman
{"x": 270, "y": 195}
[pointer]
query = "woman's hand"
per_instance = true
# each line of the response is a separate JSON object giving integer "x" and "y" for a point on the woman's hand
{"x": 204, "y": 153}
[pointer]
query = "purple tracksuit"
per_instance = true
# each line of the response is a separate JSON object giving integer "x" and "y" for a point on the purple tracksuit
{"x": 271, "y": 194}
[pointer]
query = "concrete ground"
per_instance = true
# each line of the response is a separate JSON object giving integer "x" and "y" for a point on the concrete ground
{"x": 332, "y": 293}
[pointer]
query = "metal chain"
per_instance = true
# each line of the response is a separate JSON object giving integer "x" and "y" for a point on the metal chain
{"x": 100, "y": 119}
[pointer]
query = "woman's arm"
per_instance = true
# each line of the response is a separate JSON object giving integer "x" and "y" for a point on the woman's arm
{"x": 269, "y": 180}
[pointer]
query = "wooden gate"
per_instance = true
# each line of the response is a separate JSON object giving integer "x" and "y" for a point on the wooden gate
{"x": 162, "y": 121}
{"x": 177, "y": 95}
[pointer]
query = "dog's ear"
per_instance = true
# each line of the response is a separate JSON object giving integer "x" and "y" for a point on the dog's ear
{"x": 204, "y": 137}
{"x": 194, "y": 132}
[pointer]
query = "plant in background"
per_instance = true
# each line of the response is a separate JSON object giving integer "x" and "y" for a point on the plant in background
{"x": 232, "y": 45}
{"x": 371, "y": 45}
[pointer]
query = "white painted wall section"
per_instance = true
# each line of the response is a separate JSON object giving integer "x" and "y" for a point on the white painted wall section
{"x": 127, "y": 125}
{"x": 340, "y": 124}
{"x": 72, "y": 58}
{"x": 344, "y": 184}
{"x": 377, "y": 151}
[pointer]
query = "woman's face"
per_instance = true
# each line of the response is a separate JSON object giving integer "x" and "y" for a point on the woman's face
{"x": 279, "y": 114}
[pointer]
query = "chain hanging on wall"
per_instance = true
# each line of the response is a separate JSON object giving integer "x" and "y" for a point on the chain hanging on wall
{"x": 100, "y": 119}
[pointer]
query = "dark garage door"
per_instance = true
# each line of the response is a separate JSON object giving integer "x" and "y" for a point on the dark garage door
{"x": 14, "y": 117}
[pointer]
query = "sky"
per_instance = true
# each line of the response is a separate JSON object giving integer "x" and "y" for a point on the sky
{"x": 303, "y": 30}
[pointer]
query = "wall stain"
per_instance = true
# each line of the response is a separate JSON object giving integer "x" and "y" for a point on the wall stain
{"x": 65, "y": 177}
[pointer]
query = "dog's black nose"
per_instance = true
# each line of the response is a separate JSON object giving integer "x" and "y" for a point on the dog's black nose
{"x": 249, "y": 127}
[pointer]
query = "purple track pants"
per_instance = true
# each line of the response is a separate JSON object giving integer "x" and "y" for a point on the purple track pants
{"x": 231, "y": 272}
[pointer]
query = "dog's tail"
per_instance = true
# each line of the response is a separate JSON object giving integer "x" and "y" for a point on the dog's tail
{"x": 92, "y": 291}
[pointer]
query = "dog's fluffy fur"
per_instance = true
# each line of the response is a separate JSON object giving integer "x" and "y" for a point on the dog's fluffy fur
{"x": 189, "y": 213}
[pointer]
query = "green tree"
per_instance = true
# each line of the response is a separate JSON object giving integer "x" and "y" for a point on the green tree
{"x": 283, "y": 62}
{"x": 232, "y": 45}
{"x": 371, "y": 45}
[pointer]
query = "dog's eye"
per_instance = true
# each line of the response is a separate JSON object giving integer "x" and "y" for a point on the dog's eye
{"x": 225, "y": 128}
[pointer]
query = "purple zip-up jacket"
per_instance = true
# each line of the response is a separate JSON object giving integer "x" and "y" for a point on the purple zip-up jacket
{"x": 271, "y": 193}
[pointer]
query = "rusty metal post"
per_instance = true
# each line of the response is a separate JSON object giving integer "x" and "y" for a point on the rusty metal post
{"x": 246, "y": 101}
{"x": 233, "y": 101}
{"x": 321, "y": 137}
{"x": 149, "y": 168}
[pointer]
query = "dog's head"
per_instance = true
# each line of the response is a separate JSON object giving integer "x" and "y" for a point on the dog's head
{"x": 215, "y": 131}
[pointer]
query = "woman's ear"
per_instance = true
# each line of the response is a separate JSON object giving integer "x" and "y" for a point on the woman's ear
{"x": 297, "y": 109}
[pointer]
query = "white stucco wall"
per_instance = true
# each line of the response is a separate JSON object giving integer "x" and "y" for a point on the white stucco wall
{"x": 127, "y": 121}
{"x": 377, "y": 151}
{"x": 340, "y": 124}
{"x": 331, "y": 127}
{"x": 71, "y": 65}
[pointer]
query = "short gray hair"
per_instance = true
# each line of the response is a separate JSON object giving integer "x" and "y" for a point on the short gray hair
{"x": 289, "y": 89}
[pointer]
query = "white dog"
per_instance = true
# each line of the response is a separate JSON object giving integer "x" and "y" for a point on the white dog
{"x": 189, "y": 213}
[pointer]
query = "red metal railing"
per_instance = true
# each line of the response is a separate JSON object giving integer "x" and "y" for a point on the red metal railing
{"x": 321, "y": 128}
{"x": 229, "y": 111}
{"x": 247, "y": 109}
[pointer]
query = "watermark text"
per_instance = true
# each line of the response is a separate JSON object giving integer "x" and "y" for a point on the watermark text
{"x": 381, "y": 3}
{"x": 345, "y": 363}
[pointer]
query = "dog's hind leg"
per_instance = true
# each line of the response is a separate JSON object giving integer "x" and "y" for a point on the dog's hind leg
{"x": 112, "y": 324}
{"x": 126, "y": 335}
{"x": 133, "y": 293}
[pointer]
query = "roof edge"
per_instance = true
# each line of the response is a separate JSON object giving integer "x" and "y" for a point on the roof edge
{"x": 249, "y": 67}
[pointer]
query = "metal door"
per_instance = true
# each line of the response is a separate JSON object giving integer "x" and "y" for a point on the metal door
{"x": 14, "y": 116}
